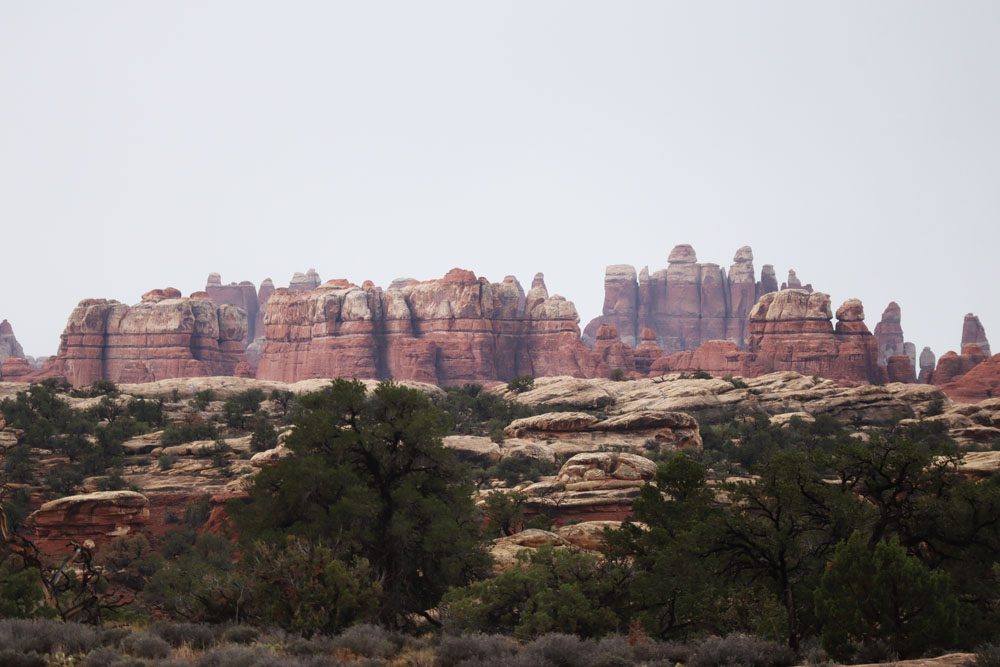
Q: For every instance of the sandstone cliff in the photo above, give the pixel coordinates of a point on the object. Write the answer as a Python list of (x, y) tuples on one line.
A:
[(164, 336), (791, 330), (13, 363), (685, 304), (454, 330), (974, 351)]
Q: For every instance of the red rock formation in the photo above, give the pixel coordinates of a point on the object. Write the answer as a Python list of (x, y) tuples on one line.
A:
[(647, 352), (791, 330), (621, 304), (9, 347), (975, 350), (952, 366), (611, 351), (927, 361), (303, 282), (684, 305), (156, 339), (449, 331), (101, 517), (13, 369), (899, 368), (242, 295), (742, 294), (973, 333), (768, 281), (889, 334), (978, 383), (717, 357)]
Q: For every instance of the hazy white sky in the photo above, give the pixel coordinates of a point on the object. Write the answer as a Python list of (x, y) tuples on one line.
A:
[(145, 144)]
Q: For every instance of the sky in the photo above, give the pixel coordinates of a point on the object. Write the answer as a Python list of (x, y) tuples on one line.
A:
[(146, 144)]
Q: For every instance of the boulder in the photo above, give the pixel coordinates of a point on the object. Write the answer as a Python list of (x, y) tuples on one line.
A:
[(101, 517), (473, 448), (568, 433)]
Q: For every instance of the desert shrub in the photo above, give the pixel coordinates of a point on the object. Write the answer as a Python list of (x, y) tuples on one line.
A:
[(47, 636), (264, 436), (935, 407), (701, 375), (473, 649), (98, 388), (202, 398), (146, 645), (12, 658), (192, 634), (197, 512), (236, 408), (146, 412), (240, 634), (617, 375), (988, 655), (300, 646), (113, 482), (741, 651), (102, 657), (62, 479), (166, 461), (516, 469), (559, 649), (241, 656), (476, 411), (114, 636), (370, 641), (20, 590), (504, 512), (521, 383), (552, 591), (18, 464), (737, 383), (198, 429), (131, 561)]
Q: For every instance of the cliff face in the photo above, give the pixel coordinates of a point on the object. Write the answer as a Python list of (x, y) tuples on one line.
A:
[(13, 363), (685, 304), (450, 331), (791, 330), (164, 336)]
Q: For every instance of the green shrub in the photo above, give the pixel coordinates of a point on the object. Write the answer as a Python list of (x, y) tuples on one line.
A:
[(146, 412), (264, 436), (238, 407), (617, 375), (516, 469), (166, 461), (701, 375), (521, 383), (202, 398), (737, 383), (198, 429)]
